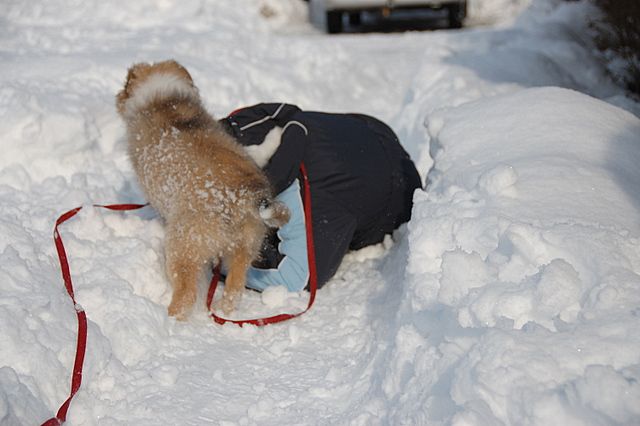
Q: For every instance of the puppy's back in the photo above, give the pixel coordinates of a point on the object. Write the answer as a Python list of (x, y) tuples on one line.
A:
[(215, 200)]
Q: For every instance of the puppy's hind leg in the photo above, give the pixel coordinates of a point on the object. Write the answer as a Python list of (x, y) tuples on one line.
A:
[(239, 262), (184, 266)]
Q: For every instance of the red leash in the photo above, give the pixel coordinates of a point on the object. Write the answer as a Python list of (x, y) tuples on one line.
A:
[(311, 258), (81, 345)]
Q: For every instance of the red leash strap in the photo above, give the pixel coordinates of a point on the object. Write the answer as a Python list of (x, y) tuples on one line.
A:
[(311, 257), (81, 345)]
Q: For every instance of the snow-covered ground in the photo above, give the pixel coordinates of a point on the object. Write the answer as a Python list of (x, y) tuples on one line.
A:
[(512, 296)]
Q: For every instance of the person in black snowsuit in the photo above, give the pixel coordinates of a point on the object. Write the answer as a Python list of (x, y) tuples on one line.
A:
[(361, 183)]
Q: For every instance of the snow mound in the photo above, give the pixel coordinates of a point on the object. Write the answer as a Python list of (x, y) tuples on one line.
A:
[(527, 240)]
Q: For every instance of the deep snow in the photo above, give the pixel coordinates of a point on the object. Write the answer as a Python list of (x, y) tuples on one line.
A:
[(510, 298)]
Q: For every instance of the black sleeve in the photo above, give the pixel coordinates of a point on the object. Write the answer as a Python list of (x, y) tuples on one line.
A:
[(251, 125), (284, 165)]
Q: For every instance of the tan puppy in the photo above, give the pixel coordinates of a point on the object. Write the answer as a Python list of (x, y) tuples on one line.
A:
[(216, 201)]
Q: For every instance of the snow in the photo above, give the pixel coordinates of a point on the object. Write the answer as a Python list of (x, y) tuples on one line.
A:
[(510, 298), (527, 241)]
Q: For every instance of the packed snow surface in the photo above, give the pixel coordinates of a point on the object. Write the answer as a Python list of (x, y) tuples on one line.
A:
[(511, 297)]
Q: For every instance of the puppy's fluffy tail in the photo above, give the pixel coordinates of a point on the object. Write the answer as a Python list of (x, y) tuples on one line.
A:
[(274, 213)]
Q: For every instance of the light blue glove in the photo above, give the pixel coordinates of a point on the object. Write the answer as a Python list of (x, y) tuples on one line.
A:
[(293, 270)]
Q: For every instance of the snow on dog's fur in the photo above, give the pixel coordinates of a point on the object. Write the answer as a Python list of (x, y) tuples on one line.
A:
[(216, 201)]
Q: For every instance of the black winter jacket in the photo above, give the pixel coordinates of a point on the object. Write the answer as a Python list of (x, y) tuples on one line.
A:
[(361, 179)]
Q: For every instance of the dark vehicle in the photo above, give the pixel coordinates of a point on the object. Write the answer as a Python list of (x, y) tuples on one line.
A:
[(331, 14)]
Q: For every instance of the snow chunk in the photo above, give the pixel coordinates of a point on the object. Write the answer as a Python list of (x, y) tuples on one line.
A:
[(462, 272), (275, 296), (499, 180), (555, 292)]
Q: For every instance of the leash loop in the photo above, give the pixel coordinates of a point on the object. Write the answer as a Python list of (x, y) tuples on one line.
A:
[(311, 258)]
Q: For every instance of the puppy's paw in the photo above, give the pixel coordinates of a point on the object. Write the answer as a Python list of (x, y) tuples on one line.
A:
[(224, 306), (181, 305), (227, 304), (178, 312)]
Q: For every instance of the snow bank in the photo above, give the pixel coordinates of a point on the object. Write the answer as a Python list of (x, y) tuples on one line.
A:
[(526, 241)]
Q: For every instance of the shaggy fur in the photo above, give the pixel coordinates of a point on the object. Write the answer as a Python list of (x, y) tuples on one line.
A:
[(216, 201)]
